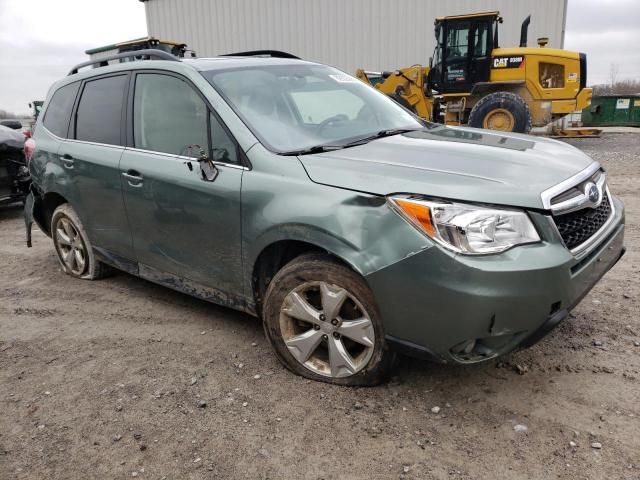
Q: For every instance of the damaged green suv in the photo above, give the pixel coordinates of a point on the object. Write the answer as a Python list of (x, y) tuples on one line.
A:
[(292, 191)]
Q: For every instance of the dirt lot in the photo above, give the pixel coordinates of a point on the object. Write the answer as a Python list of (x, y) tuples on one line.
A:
[(104, 379)]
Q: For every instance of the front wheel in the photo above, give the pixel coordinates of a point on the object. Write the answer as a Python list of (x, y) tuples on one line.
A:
[(323, 323), (503, 111)]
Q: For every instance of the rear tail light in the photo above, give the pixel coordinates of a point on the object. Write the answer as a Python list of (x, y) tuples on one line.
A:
[(29, 147)]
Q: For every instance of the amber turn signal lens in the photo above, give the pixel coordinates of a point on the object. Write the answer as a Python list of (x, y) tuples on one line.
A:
[(418, 213)]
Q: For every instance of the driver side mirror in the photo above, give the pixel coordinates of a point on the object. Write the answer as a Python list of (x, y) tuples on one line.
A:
[(208, 170)]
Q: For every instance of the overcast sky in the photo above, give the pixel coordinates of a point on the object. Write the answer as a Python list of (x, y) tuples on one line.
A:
[(608, 31), (41, 39)]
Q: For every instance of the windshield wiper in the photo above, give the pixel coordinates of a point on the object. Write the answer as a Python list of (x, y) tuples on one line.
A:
[(358, 141), (314, 149), (381, 134)]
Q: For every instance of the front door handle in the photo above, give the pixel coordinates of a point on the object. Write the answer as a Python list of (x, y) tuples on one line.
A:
[(134, 178), (67, 161)]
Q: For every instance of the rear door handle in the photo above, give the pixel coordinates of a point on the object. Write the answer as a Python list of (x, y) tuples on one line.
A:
[(67, 161), (134, 178)]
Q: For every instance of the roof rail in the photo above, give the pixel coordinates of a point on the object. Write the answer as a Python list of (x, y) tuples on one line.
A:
[(150, 53), (261, 53)]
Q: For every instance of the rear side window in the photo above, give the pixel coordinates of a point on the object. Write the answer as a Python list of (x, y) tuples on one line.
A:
[(58, 113), (99, 113), (551, 75), (169, 116)]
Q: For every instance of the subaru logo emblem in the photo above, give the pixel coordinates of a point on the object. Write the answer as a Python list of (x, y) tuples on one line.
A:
[(592, 192)]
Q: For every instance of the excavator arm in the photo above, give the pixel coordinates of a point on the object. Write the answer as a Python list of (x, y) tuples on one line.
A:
[(407, 86)]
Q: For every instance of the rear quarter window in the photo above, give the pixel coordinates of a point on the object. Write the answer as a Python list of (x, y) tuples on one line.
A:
[(58, 113)]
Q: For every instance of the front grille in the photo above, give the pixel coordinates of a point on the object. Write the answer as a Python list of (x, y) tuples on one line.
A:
[(577, 227), (576, 190)]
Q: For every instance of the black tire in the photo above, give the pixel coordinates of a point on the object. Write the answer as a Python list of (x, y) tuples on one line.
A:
[(511, 102), (323, 268), (92, 269)]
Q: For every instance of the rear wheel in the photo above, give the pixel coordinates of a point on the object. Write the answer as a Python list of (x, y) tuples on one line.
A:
[(72, 245), (504, 111), (323, 323)]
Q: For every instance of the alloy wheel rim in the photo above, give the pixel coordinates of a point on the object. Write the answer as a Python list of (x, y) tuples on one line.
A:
[(499, 119), (327, 330), (71, 248)]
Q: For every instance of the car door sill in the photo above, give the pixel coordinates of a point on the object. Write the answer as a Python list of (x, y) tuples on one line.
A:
[(195, 289), (174, 282)]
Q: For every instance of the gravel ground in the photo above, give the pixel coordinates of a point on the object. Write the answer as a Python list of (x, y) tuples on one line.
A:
[(123, 378)]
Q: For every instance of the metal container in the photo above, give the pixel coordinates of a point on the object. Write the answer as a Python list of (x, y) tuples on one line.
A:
[(613, 110)]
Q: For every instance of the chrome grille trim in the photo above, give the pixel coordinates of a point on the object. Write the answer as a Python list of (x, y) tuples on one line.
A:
[(562, 187), (581, 200)]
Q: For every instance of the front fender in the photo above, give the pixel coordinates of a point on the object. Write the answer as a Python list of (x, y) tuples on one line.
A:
[(359, 228)]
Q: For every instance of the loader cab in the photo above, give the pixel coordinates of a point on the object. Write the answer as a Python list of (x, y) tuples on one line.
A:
[(462, 55)]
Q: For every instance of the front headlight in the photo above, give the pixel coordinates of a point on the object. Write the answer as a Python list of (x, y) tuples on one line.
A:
[(467, 228)]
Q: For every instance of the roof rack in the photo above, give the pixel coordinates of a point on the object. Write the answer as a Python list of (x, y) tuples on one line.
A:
[(261, 53), (150, 53)]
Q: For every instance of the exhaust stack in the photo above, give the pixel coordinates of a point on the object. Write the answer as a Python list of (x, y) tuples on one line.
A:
[(523, 31)]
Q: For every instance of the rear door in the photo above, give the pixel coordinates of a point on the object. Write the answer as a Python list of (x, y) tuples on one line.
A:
[(91, 156), (182, 224)]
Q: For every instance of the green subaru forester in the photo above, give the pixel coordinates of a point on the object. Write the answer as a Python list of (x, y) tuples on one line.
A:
[(292, 191)]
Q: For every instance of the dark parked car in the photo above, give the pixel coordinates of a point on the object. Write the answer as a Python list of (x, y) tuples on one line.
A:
[(14, 174), (293, 191)]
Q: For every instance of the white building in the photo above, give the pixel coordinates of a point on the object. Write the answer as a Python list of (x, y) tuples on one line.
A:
[(349, 34)]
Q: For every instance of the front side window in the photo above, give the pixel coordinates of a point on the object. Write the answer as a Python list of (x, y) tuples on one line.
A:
[(223, 147), (58, 114), (551, 75), (99, 113), (294, 107), (169, 116)]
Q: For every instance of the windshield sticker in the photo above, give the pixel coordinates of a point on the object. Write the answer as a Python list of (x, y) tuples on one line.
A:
[(344, 78)]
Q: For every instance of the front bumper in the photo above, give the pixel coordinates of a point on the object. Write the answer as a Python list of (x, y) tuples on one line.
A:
[(466, 309)]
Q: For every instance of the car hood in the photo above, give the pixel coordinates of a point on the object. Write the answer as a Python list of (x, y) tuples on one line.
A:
[(452, 162)]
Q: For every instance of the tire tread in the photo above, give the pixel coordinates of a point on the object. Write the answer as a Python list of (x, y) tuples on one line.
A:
[(507, 100)]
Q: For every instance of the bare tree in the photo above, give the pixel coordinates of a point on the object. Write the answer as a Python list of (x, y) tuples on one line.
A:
[(621, 87), (613, 74)]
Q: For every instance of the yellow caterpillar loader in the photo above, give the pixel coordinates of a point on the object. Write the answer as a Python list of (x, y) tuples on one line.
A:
[(472, 80)]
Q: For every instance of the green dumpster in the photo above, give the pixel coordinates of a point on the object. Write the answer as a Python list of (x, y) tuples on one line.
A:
[(613, 110)]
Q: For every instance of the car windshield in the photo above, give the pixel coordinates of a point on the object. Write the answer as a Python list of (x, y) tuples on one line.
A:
[(293, 108)]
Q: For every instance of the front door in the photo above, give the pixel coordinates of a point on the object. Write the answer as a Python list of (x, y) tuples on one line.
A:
[(184, 227), (465, 55)]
